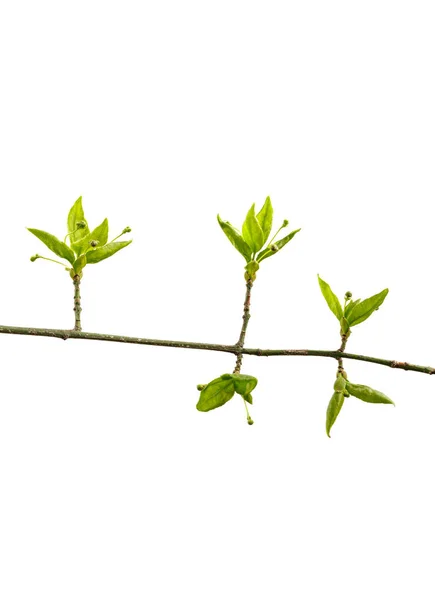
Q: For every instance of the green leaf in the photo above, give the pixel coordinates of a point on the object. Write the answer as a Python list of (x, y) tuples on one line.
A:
[(235, 238), (215, 394), (367, 394), (252, 232), (244, 384), (362, 311), (350, 306), (99, 234), (331, 298), (265, 217), (333, 410), (54, 244), (80, 263), (280, 244), (76, 214), (108, 250), (248, 398)]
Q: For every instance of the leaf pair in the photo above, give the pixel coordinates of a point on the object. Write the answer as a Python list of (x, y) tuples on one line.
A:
[(219, 391), (342, 389), (86, 247), (356, 311), (255, 234)]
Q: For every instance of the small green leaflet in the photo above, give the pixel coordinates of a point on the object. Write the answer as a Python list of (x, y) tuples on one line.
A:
[(76, 214), (215, 394), (265, 217), (362, 311), (333, 410), (54, 244), (95, 256), (350, 306), (367, 394), (235, 238), (331, 299), (280, 244), (99, 234), (252, 231), (79, 264), (244, 384)]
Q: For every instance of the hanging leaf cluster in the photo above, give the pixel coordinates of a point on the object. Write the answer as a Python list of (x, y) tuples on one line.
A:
[(81, 246)]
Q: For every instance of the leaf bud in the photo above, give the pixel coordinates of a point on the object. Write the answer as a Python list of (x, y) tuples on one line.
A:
[(285, 223), (34, 257), (81, 224), (250, 421), (348, 295), (126, 230), (200, 386), (94, 243)]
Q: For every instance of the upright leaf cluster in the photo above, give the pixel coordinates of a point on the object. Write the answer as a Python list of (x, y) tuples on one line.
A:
[(253, 241), (81, 246)]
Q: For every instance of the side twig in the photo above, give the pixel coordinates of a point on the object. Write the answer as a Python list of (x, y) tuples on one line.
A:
[(77, 304), (246, 317)]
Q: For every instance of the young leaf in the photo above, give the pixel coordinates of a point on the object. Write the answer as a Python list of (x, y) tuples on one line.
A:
[(215, 394), (248, 398), (333, 410), (54, 244), (280, 244), (108, 250), (252, 232), (244, 384), (331, 298), (367, 394), (350, 306), (100, 234), (362, 311), (235, 238), (80, 263), (76, 214), (265, 217)]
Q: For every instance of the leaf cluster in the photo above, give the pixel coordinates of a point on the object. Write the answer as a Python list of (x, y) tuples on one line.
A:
[(219, 391), (343, 389), (253, 241), (84, 246)]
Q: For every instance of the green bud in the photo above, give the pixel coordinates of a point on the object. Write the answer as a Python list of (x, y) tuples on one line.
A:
[(285, 223), (81, 224), (200, 386), (274, 248), (126, 230), (94, 243), (348, 295), (34, 257), (250, 421)]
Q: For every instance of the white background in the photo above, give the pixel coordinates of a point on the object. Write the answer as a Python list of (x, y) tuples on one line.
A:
[(162, 114)]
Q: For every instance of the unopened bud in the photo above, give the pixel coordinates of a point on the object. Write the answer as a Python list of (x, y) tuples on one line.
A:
[(34, 257), (348, 295), (285, 223), (200, 387), (274, 248), (126, 230), (94, 243), (250, 421), (80, 224)]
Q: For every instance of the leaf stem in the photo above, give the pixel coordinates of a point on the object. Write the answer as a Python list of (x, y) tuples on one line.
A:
[(77, 303), (246, 317), (66, 334)]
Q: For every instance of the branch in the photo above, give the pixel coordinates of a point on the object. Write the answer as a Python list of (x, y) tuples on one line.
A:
[(66, 334)]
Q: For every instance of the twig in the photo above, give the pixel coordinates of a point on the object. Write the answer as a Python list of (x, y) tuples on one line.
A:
[(66, 334), (246, 317), (77, 305)]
